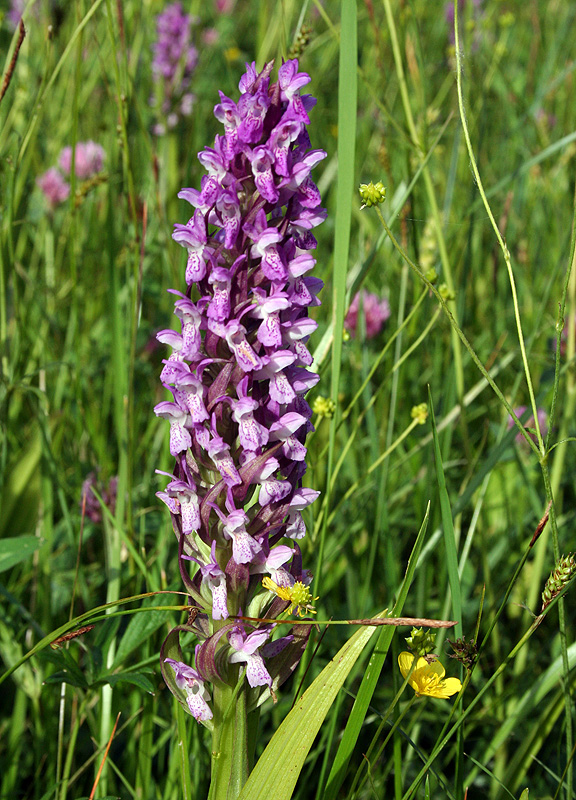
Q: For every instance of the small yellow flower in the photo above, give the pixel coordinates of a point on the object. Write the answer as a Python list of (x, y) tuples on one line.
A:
[(232, 54), (420, 414), (506, 20), (324, 406), (298, 595), (427, 679)]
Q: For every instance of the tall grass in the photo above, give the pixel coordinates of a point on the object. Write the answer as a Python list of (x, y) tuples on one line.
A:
[(83, 291)]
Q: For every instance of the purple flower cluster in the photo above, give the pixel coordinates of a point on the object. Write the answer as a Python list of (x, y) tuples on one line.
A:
[(14, 15), (53, 186), (376, 312), (89, 161), (529, 423), (238, 373), (90, 503), (175, 59)]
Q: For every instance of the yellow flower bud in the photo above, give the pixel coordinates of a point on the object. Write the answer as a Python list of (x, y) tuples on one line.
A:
[(420, 413)]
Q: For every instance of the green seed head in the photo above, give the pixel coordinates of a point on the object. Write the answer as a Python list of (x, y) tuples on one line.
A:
[(421, 642), (445, 292), (420, 413), (560, 577), (372, 194)]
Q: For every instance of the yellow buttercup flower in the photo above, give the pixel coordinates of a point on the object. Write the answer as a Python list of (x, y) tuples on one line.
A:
[(427, 679)]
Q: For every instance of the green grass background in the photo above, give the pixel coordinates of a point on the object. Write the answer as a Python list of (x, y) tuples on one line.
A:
[(83, 291)]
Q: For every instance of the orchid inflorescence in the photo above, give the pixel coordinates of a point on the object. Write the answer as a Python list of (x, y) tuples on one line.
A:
[(238, 373), (173, 65)]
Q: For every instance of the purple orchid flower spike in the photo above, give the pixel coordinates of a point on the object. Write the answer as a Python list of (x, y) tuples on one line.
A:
[(175, 59), (238, 370)]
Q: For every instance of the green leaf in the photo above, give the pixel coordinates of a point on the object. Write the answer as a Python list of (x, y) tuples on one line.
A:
[(69, 670), (372, 675), (448, 527), (17, 549), (21, 491), (67, 677), (135, 678), (292, 741), (141, 627), (347, 118)]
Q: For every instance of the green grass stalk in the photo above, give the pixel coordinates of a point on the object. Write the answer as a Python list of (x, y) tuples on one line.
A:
[(430, 192), (347, 112), (371, 676)]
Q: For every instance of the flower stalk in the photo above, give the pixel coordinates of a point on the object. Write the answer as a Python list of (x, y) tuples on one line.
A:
[(230, 747)]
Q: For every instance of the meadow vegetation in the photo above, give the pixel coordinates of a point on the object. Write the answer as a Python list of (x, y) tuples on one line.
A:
[(473, 327)]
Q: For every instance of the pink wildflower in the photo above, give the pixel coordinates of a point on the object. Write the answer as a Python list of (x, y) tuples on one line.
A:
[(54, 187), (89, 159), (90, 503), (376, 312), (224, 6), (14, 15), (529, 423)]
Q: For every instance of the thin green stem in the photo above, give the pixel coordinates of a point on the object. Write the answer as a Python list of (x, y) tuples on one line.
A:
[(395, 337), (354, 488), (183, 756), (459, 331), (499, 236), (78, 718), (436, 216), (391, 446), (38, 105), (541, 447), (355, 789)]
